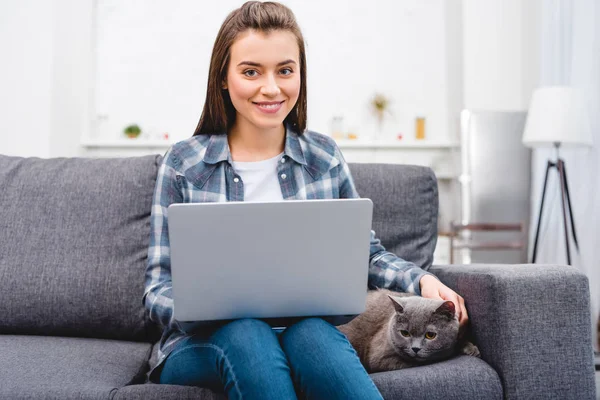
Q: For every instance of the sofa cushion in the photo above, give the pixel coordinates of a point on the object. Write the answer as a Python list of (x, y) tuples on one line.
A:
[(38, 367), (74, 237), (460, 378), (405, 207), (152, 391)]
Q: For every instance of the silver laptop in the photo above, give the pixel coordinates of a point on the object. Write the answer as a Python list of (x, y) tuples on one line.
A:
[(269, 260)]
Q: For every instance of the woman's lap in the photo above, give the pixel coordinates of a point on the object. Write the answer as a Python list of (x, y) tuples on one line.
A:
[(324, 364), (242, 358), (247, 359)]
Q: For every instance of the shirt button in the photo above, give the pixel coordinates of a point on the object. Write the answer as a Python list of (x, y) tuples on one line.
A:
[(283, 176), (283, 160), (236, 179)]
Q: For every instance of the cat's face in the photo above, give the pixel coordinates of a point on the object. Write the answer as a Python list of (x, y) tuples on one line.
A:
[(423, 329)]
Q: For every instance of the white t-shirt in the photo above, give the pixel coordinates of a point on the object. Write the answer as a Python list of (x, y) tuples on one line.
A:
[(260, 179)]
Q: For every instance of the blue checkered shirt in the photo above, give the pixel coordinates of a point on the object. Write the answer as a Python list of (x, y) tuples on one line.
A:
[(199, 169)]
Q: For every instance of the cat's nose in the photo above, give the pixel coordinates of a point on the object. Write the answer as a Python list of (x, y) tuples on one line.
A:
[(416, 349)]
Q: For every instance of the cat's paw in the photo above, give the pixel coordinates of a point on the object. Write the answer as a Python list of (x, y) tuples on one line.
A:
[(470, 350)]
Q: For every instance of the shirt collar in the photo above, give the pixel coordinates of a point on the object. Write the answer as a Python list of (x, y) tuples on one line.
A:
[(217, 149), (293, 149)]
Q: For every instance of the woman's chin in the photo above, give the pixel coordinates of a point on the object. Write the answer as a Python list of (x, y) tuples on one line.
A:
[(268, 123)]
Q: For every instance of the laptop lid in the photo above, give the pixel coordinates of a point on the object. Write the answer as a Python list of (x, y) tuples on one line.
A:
[(294, 258)]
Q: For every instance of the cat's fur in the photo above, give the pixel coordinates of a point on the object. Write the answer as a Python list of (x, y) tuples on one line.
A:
[(376, 333)]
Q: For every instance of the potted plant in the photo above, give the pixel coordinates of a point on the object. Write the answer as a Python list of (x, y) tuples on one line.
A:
[(380, 104), (132, 131)]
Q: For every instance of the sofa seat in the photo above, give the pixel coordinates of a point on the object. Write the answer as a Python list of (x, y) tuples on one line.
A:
[(151, 391), (45, 367), (461, 378)]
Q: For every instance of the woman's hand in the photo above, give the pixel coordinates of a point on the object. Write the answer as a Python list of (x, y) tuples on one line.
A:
[(432, 288)]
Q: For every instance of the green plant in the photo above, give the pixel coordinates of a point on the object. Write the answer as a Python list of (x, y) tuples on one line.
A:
[(132, 131), (380, 104)]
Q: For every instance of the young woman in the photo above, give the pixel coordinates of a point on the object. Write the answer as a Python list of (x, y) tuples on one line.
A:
[(251, 144)]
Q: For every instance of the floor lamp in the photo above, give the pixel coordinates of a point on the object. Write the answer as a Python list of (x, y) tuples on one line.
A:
[(557, 118)]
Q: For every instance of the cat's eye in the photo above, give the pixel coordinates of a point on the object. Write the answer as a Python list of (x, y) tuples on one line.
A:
[(430, 335), (404, 333)]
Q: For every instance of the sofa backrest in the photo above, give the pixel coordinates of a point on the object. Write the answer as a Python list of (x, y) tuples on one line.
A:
[(405, 207), (74, 237)]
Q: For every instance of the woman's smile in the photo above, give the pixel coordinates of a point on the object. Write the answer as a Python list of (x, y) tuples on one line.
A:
[(269, 107)]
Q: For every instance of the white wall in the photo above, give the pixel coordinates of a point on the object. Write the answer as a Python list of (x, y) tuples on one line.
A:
[(44, 75), (153, 63), (455, 65), (49, 65), (27, 52), (71, 76), (501, 53)]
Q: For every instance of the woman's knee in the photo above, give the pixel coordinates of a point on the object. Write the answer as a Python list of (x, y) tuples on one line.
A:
[(309, 326), (191, 363), (244, 334), (306, 332), (246, 325)]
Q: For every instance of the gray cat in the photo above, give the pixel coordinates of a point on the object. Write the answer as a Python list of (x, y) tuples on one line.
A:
[(399, 330)]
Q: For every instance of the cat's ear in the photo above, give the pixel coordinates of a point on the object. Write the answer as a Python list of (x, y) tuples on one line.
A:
[(447, 309), (396, 304)]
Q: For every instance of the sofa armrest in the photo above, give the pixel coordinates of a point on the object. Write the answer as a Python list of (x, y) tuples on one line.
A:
[(532, 324)]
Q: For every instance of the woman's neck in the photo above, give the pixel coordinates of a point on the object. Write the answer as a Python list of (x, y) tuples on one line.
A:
[(248, 143)]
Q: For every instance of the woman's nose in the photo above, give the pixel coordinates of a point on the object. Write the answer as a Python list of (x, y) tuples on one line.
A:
[(270, 87)]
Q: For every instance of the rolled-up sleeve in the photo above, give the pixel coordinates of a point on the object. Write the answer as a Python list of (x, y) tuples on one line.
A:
[(158, 298), (386, 270)]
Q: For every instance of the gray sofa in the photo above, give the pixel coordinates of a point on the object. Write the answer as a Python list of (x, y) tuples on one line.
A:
[(73, 245)]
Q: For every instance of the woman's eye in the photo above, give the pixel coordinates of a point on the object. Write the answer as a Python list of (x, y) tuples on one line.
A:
[(430, 335), (286, 71), (250, 73), (404, 333)]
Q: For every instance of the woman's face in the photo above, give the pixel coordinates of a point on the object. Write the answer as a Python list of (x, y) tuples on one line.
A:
[(263, 78)]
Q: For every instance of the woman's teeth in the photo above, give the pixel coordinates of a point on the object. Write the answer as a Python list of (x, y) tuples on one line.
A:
[(269, 106)]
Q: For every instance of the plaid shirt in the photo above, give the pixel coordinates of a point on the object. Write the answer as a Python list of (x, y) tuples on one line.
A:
[(199, 169)]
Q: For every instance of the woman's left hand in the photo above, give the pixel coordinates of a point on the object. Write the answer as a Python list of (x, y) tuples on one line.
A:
[(432, 288)]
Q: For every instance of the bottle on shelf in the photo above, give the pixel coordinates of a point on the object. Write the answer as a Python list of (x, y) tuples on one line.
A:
[(337, 127), (420, 127)]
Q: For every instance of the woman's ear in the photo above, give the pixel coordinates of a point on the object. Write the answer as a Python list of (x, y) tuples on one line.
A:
[(224, 85)]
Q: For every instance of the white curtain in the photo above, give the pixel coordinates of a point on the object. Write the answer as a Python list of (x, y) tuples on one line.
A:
[(570, 55)]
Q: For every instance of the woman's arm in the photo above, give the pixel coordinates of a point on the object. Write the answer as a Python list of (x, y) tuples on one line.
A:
[(158, 298), (386, 270)]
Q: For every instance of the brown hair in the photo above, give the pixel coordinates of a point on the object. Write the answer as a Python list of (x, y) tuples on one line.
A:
[(218, 115)]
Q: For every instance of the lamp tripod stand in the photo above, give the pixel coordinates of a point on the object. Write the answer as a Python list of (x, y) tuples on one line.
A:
[(566, 202)]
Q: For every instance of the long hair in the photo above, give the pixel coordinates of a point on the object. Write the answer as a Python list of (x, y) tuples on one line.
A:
[(218, 115)]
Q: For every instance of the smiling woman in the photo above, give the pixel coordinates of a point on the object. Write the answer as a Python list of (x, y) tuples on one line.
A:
[(251, 144), (258, 59), (263, 83)]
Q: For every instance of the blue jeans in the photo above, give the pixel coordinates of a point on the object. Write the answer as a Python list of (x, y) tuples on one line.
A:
[(248, 360)]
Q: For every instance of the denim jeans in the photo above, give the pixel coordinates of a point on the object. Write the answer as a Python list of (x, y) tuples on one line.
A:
[(248, 360)]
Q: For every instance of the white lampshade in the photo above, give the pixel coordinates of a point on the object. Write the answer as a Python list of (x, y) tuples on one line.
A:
[(557, 115)]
